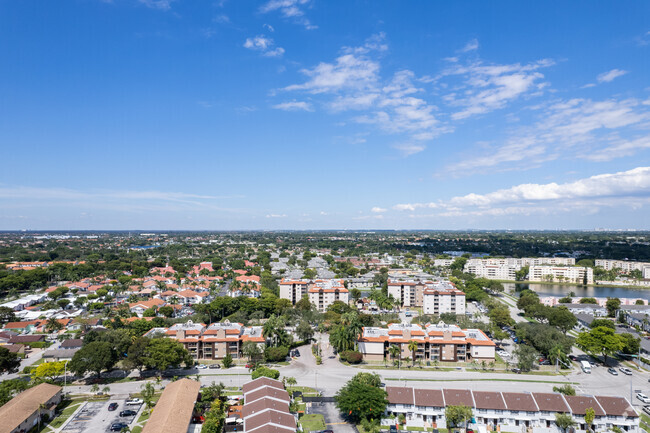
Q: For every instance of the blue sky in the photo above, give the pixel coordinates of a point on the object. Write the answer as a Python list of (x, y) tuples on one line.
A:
[(312, 114)]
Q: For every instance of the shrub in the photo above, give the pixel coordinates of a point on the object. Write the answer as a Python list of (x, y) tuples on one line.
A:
[(275, 354), (266, 372), (351, 356)]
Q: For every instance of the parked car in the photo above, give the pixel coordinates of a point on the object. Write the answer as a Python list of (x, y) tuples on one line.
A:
[(612, 371), (646, 409), (118, 426), (626, 371), (112, 406), (201, 366), (516, 370), (644, 398), (134, 401), (393, 429), (215, 366), (128, 412)]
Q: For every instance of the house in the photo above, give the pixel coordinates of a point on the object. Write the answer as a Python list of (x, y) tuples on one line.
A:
[(72, 343), (27, 339), (23, 327), (23, 411), (175, 407), (59, 354), (141, 306)]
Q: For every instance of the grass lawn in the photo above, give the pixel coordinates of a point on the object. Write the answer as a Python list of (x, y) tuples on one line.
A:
[(312, 422), (65, 414), (136, 429)]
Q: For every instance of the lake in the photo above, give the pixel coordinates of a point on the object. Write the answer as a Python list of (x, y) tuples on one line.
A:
[(581, 291)]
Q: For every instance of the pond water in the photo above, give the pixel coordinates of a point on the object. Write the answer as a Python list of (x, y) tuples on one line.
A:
[(581, 291)]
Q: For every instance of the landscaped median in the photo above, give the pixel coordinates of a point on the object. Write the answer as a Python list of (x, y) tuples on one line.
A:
[(312, 422)]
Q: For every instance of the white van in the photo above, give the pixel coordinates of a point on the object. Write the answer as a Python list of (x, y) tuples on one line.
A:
[(586, 367)]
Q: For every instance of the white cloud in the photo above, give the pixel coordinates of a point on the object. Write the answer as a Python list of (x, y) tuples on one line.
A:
[(348, 72), (264, 45), (163, 5), (490, 87), (632, 186), (408, 149), (268, 27), (576, 128), (378, 210), (222, 19), (273, 215), (294, 106), (289, 9), (606, 77), (470, 46)]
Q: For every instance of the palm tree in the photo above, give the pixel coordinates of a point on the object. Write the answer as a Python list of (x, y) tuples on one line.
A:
[(251, 350), (413, 346), (395, 352)]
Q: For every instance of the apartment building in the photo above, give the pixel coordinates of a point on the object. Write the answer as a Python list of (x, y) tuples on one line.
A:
[(567, 274), (294, 290), (408, 293), (22, 413), (175, 407), (214, 341), (323, 293), (443, 297), (510, 411), (436, 342), (623, 265), (506, 268)]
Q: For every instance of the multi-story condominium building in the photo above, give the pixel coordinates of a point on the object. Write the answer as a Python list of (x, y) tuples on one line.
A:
[(492, 272), (443, 263), (408, 293), (505, 268), (294, 290), (568, 274), (442, 298), (323, 293), (510, 411), (441, 342), (213, 341), (623, 265)]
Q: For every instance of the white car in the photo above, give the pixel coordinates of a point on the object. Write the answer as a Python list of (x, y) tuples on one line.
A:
[(644, 398), (133, 401), (201, 366)]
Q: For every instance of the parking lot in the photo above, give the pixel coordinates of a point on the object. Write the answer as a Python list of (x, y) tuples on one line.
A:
[(94, 416)]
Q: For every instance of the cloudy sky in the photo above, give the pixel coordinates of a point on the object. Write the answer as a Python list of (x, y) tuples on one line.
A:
[(301, 114)]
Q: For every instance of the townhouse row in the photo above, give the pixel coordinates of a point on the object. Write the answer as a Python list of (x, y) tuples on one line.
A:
[(321, 293), (511, 411), (266, 407), (435, 342), (214, 341)]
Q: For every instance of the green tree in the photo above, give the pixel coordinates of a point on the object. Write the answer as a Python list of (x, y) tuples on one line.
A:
[(309, 274), (562, 318), (590, 414), (162, 353), (9, 362), (166, 311), (395, 352), (7, 315), (53, 325), (148, 392), (355, 294), (589, 301), (266, 372), (251, 350), (526, 357), (564, 421), (136, 355), (358, 401), (413, 346), (95, 357), (227, 361), (612, 305), (565, 389), (304, 331), (372, 379), (600, 341), (631, 343), (602, 322), (457, 416)]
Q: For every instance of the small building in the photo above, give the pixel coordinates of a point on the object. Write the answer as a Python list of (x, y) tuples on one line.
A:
[(173, 412), (22, 412)]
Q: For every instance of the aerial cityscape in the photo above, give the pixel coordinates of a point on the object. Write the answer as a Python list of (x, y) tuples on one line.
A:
[(300, 216)]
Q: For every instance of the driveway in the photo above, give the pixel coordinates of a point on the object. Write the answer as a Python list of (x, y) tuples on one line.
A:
[(333, 418)]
